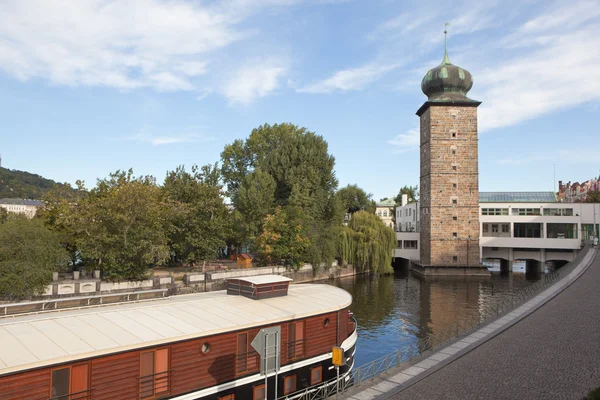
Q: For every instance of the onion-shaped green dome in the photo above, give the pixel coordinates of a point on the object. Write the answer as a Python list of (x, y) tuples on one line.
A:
[(447, 82)]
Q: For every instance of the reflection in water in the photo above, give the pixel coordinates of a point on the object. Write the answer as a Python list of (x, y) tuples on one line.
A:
[(393, 311)]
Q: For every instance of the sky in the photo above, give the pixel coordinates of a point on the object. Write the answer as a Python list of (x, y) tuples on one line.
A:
[(89, 87)]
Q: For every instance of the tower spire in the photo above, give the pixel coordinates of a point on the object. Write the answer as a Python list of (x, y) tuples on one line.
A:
[(446, 59)]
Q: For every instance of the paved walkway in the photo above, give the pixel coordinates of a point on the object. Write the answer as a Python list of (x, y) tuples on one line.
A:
[(545, 349)]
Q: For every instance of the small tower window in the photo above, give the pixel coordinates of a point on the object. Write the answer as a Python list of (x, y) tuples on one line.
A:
[(454, 201), (454, 185), (455, 258), (455, 218), (453, 134), (454, 234), (453, 151), (454, 168)]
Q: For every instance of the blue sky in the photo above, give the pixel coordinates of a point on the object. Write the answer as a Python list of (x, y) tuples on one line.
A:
[(89, 87)]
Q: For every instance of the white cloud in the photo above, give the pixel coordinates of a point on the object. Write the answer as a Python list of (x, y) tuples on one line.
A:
[(557, 71), (406, 141), (350, 79), (164, 45), (255, 80), (158, 140)]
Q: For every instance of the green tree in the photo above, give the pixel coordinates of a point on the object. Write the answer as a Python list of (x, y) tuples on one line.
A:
[(593, 196), (282, 239), (122, 227), (255, 199), (199, 216), (59, 214), (302, 171), (353, 199), (29, 254), (412, 193), (367, 244), (3, 215)]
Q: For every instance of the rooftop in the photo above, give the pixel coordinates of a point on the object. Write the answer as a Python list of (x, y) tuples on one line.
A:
[(517, 197), (386, 203), (37, 340), (22, 202)]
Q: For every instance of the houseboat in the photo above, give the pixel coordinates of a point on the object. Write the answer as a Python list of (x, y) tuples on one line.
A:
[(195, 346)]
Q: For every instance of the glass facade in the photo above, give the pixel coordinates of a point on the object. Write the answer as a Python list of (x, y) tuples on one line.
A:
[(561, 231), (494, 211), (528, 230), (526, 211), (566, 212), (587, 231)]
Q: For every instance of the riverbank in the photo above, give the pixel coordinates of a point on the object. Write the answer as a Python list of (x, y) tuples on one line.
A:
[(515, 364)]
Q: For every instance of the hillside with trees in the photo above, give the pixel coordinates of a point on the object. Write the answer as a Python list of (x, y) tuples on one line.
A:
[(25, 185)]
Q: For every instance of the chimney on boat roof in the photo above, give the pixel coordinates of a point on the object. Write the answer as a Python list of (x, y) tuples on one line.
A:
[(259, 287)]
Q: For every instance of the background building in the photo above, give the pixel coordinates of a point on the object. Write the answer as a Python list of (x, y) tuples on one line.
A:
[(521, 231), (19, 206), (385, 211), (577, 192)]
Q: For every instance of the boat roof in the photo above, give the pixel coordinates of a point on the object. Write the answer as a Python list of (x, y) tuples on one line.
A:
[(43, 339), (262, 279)]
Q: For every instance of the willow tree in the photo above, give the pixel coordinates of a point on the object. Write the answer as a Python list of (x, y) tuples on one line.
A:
[(367, 244)]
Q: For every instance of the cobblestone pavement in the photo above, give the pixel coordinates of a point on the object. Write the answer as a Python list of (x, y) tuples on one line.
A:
[(554, 353)]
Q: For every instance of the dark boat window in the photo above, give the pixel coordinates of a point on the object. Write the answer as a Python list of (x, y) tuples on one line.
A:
[(60, 382), (326, 322), (155, 374), (259, 392), (295, 342), (205, 348), (71, 381), (289, 384), (316, 375), (242, 352)]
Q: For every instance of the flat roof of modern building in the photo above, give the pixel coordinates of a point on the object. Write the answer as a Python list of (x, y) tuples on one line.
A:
[(48, 338), (517, 197)]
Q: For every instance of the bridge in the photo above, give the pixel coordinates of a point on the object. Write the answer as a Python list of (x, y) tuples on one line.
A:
[(546, 348)]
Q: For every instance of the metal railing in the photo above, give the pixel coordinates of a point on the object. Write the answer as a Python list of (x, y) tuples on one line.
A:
[(82, 395), (74, 302), (247, 362), (295, 349), (155, 384), (431, 341)]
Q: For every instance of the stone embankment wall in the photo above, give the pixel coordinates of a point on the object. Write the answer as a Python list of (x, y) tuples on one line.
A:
[(208, 281), (211, 281)]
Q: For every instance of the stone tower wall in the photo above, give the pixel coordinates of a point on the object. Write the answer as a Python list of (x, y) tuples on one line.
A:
[(449, 187)]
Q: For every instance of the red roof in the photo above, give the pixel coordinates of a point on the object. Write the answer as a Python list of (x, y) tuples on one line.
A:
[(244, 256)]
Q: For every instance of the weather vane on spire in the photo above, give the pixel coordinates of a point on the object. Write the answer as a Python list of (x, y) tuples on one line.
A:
[(446, 58)]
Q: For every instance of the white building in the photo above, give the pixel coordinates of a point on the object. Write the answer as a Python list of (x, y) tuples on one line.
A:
[(19, 206), (385, 210), (518, 229)]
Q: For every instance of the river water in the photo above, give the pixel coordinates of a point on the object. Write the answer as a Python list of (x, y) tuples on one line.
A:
[(394, 311)]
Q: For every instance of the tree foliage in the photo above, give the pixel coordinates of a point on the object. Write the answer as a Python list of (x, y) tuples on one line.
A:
[(282, 239), (293, 167), (29, 254), (121, 227), (198, 215), (593, 196), (367, 243), (412, 193), (353, 199)]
